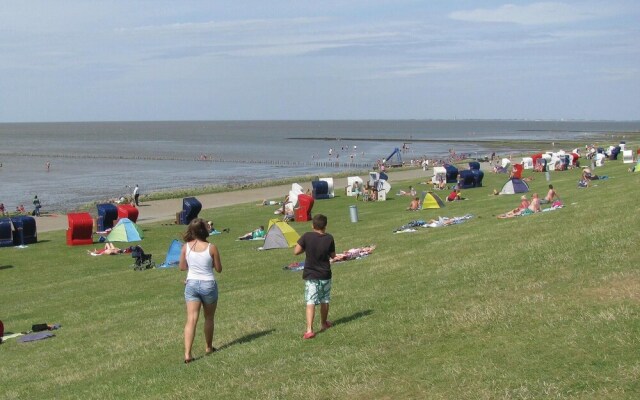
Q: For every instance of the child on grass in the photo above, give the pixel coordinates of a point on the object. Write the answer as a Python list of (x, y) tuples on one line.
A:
[(319, 247)]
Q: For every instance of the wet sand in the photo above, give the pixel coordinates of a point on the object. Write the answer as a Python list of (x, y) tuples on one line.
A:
[(165, 210)]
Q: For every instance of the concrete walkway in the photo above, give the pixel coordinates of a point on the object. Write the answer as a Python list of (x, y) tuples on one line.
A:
[(165, 210)]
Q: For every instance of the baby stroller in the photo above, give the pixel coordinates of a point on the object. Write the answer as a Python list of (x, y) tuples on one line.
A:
[(142, 260)]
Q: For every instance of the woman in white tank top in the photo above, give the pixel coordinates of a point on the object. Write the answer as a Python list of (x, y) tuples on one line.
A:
[(199, 258)]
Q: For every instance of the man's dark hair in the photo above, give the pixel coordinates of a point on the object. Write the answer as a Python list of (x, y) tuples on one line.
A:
[(319, 221)]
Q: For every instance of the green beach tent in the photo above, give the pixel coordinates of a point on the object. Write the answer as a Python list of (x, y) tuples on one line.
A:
[(125, 231)]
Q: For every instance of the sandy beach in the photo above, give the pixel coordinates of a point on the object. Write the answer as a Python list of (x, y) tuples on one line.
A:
[(164, 210)]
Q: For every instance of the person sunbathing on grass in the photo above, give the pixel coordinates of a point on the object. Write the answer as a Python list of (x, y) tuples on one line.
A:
[(455, 195), (411, 192), (255, 234), (534, 205), (441, 221), (266, 202), (352, 254), (551, 194), (214, 231), (414, 205), (109, 248), (524, 204)]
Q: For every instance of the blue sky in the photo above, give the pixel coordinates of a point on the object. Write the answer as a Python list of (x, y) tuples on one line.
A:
[(81, 60)]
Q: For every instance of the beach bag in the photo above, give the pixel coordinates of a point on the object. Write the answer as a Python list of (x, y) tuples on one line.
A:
[(39, 327)]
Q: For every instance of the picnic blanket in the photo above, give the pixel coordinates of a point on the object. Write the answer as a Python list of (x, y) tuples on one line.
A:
[(434, 223)]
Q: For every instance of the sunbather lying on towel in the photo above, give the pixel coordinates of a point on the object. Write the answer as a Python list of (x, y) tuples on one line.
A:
[(446, 221), (525, 207), (266, 202), (257, 233), (109, 248), (353, 254)]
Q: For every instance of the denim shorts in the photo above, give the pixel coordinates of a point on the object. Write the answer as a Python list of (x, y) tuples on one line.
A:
[(317, 291), (203, 291)]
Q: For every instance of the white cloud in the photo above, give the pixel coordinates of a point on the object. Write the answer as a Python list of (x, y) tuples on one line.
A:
[(620, 74), (532, 14), (426, 68)]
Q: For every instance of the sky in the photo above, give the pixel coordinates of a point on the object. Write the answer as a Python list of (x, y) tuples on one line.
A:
[(130, 60)]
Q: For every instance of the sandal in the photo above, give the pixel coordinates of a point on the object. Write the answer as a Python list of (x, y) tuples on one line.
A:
[(309, 335)]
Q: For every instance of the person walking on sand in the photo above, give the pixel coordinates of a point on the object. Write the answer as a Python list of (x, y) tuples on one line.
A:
[(136, 195), (319, 248), (199, 258)]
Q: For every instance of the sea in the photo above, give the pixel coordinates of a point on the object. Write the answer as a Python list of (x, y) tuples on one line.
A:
[(68, 165)]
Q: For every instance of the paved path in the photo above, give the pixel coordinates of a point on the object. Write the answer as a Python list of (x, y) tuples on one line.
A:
[(165, 210)]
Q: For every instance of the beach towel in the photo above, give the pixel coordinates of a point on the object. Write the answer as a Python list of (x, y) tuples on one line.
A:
[(35, 336), (408, 227), (556, 206), (435, 223), (446, 221), (10, 335), (295, 266)]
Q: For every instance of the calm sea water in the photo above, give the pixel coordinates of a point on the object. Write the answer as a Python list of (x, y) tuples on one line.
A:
[(97, 161)]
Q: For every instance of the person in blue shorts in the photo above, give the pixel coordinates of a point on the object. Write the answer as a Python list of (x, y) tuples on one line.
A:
[(319, 248), (199, 258)]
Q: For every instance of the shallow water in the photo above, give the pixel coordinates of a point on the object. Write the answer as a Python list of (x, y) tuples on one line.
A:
[(97, 161)]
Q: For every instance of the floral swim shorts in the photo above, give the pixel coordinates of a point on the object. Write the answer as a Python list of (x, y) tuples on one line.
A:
[(317, 291)]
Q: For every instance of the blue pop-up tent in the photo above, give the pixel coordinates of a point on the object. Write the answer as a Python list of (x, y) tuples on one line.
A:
[(173, 255)]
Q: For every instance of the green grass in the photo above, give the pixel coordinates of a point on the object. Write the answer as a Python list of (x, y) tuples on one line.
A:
[(544, 306)]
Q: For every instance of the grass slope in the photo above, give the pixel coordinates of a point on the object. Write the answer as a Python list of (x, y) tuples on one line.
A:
[(543, 306)]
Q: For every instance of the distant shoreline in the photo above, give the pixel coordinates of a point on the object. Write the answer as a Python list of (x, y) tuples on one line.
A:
[(590, 135)]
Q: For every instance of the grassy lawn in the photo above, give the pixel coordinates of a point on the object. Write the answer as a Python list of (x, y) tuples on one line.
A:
[(543, 306)]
